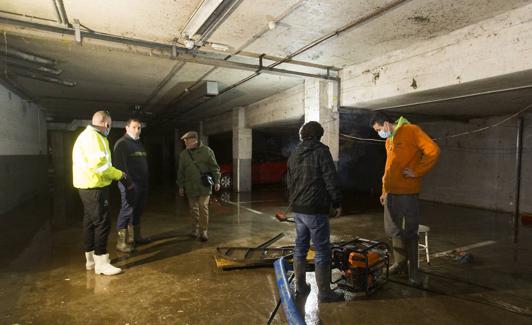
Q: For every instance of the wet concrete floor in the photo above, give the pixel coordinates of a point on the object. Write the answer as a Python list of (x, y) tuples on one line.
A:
[(174, 279)]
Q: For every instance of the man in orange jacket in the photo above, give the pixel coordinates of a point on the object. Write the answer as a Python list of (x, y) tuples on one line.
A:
[(410, 154)]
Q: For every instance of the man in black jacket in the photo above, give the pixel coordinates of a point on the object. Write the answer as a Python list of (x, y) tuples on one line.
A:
[(130, 155), (313, 189)]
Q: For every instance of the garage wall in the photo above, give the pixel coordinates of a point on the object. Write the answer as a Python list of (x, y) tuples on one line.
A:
[(479, 170), (286, 106), (23, 143)]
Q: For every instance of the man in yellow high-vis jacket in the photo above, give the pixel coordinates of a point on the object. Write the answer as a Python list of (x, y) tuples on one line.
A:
[(92, 174)]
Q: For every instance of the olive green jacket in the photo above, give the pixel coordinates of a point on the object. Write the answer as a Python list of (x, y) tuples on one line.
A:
[(188, 175)]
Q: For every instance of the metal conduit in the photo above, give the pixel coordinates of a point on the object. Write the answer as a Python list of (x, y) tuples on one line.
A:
[(200, 57), (517, 193), (28, 56), (355, 23), (29, 65), (32, 75)]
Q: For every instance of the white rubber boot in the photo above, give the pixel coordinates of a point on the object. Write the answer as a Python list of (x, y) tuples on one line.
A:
[(89, 258), (103, 265)]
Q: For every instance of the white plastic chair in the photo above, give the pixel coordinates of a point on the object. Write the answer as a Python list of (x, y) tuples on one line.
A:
[(423, 231)]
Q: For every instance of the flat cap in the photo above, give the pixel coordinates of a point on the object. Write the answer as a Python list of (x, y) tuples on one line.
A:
[(190, 134)]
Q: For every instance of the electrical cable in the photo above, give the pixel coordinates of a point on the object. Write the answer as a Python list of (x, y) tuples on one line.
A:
[(482, 129)]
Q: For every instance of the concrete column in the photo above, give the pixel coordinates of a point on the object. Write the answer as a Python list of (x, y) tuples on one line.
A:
[(321, 105), (242, 142)]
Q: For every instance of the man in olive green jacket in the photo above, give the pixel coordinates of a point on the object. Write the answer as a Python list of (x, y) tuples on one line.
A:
[(195, 160)]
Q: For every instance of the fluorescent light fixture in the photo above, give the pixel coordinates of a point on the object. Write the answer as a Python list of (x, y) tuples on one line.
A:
[(200, 16), (219, 47)]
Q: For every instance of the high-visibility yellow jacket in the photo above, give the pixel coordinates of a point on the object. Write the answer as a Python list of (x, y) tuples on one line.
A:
[(91, 161)]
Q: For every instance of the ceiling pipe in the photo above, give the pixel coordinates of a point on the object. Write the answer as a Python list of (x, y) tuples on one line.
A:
[(29, 65), (35, 76), (377, 13), (28, 56), (240, 51), (176, 68), (183, 54), (355, 23), (517, 188)]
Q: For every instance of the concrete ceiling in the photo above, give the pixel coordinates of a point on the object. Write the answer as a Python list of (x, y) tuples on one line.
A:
[(121, 76), (500, 95)]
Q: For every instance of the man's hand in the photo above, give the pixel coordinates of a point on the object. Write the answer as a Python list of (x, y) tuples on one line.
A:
[(217, 187), (383, 199), (408, 172), (181, 192), (124, 176), (337, 212)]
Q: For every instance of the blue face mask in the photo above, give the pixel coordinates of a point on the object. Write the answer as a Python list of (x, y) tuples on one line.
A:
[(106, 132), (384, 134)]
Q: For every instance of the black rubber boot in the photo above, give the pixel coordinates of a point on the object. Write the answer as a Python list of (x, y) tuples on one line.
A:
[(130, 235), (323, 280), (399, 257), (138, 237), (300, 271), (412, 257)]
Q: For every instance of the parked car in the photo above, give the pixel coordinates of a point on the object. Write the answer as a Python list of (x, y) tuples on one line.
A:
[(269, 172)]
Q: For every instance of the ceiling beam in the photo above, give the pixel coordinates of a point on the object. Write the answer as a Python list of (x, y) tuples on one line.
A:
[(183, 54)]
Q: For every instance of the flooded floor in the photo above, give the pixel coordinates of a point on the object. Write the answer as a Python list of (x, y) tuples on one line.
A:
[(174, 280)]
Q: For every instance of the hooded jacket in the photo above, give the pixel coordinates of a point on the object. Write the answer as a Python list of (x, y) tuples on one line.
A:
[(408, 147), (312, 180)]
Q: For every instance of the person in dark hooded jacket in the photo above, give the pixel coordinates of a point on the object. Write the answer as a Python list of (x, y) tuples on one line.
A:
[(313, 189)]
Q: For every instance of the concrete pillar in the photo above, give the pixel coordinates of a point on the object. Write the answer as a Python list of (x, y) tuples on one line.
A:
[(321, 105), (242, 142)]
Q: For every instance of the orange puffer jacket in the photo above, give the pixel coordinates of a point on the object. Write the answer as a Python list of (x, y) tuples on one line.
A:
[(412, 148)]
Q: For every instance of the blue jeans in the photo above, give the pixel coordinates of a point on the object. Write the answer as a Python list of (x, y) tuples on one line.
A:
[(313, 227), (132, 207)]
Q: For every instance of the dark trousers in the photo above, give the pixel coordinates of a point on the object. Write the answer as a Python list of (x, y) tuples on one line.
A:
[(401, 216), (96, 222), (132, 207)]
